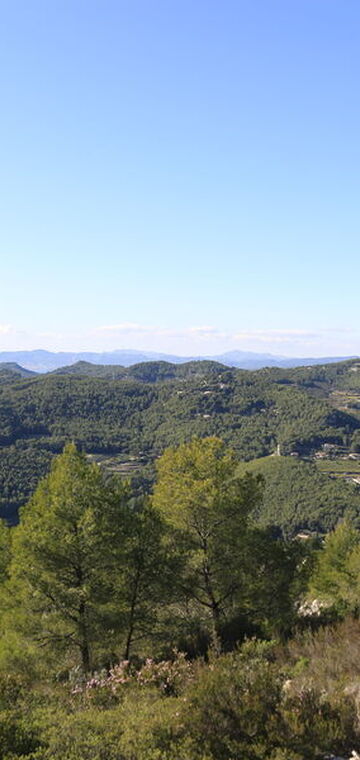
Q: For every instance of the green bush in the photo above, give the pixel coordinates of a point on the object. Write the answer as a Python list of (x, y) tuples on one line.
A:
[(86, 735), (19, 736), (239, 706), (315, 724)]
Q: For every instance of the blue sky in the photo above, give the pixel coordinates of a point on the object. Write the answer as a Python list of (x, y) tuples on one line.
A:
[(180, 175)]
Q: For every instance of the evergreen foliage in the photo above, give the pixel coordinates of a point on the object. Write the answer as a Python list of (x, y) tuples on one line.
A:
[(297, 496), (336, 577), (66, 554), (92, 575), (199, 496), (143, 410)]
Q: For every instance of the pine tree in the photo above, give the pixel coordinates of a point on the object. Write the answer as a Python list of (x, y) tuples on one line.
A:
[(200, 497), (336, 577), (66, 571)]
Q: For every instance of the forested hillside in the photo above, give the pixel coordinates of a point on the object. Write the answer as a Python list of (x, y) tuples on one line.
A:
[(175, 626), (128, 416), (298, 497)]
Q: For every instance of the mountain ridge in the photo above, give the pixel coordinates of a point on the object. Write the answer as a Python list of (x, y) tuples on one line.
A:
[(42, 361), (13, 368)]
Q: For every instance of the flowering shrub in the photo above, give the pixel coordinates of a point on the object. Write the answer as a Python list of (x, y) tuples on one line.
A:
[(169, 676), (310, 608)]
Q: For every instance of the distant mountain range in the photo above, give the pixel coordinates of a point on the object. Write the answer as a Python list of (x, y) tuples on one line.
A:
[(47, 361)]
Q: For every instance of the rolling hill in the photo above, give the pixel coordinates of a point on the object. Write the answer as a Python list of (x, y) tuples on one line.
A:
[(298, 497), (12, 368), (127, 416)]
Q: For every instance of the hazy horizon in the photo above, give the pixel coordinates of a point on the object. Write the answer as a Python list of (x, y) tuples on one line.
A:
[(276, 353), (202, 340)]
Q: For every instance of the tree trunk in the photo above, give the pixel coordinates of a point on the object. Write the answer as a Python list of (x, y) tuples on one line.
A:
[(132, 613), (215, 633), (84, 640), (215, 609)]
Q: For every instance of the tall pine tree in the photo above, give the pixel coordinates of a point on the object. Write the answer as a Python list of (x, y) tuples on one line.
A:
[(67, 558), (208, 506)]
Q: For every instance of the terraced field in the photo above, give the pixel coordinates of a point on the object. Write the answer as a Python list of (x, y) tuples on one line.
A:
[(346, 401), (345, 468)]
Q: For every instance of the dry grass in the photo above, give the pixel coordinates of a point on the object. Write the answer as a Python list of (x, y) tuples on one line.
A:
[(328, 659)]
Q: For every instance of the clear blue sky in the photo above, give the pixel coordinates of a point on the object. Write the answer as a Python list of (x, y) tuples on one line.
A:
[(180, 175)]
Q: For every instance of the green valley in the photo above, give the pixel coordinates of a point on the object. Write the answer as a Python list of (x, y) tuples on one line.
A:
[(126, 417)]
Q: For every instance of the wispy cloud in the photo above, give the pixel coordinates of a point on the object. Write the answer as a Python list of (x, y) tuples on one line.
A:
[(281, 335), (6, 329), (206, 332), (209, 337), (203, 339), (203, 330), (125, 327), (277, 336)]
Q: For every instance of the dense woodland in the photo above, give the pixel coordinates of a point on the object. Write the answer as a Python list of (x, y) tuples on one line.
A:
[(174, 626), (181, 613), (139, 411)]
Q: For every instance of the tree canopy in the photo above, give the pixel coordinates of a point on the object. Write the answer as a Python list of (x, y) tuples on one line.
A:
[(67, 554), (198, 494), (336, 577), (138, 413)]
